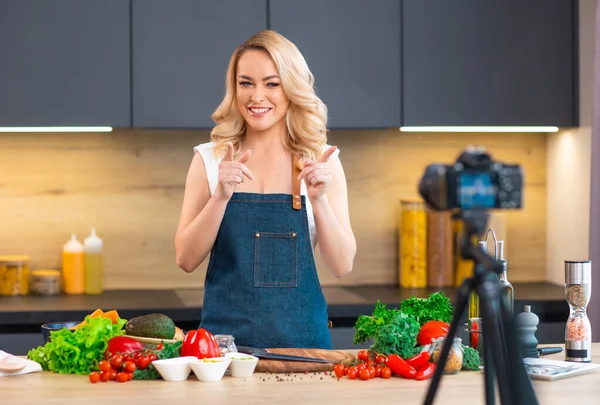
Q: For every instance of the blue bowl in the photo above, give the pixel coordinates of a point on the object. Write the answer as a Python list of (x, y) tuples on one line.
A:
[(50, 326)]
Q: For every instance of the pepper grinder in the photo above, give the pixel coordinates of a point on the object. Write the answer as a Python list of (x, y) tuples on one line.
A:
[(527, 323), (578, 291)]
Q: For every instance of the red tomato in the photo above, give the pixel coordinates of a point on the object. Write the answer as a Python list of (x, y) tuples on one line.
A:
[(425, 372), (353, 372), (378, 370), (94, 377), (130, 375), (112, 375), (381, 359), (386, 372), (365, 375), (371, 371), (400, 367), (130, 367), (122, 377), (339, 370), (143, 362), (116, 361), (152, 356), (363, 355), (160, 347), (104, 365), (361, 366), (104, 376), (432, 330)]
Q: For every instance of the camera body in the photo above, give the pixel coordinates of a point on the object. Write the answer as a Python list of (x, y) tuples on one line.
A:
[(475, 181)]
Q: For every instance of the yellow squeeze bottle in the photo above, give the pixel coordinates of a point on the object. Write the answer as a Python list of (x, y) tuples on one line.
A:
[(73, 271), (92, 247)]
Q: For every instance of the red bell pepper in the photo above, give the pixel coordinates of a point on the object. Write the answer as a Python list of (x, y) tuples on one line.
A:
[(419, 360), (432, 330), (201, 344), (122, 344), (425, 372), (400, 367)]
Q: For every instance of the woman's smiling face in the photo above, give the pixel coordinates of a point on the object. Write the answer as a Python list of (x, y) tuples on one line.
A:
[(260, 97)]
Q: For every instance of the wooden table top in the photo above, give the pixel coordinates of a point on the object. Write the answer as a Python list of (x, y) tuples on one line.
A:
[(464, 388)]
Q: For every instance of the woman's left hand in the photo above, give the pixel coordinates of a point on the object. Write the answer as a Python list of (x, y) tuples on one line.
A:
[(317, 176)]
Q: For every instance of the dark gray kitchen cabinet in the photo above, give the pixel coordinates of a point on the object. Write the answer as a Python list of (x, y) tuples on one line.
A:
[(64, 63), (353, 49), (181, 49), (489, 62)]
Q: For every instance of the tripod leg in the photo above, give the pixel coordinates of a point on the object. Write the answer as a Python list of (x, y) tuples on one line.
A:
[(488, 376), (460, 306), (522, 390), (493, 345)]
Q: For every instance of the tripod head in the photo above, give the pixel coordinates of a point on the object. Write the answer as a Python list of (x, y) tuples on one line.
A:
[(475, 223)]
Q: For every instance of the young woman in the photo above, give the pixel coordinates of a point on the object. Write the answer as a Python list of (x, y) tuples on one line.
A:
[(260, 196)]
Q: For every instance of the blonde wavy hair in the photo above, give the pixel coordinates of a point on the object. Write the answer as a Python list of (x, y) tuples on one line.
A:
[(306, 118)]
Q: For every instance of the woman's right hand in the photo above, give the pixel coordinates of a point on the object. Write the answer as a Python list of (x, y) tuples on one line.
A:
[(231, 173)]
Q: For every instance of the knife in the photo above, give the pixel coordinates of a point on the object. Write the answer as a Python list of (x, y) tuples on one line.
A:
[(264, 354), (542, 351)]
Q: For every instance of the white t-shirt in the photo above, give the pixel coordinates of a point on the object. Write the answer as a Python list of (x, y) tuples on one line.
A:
[(212, 172)]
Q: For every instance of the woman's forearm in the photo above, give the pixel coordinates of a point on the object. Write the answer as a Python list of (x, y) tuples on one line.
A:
[(195, 241), (337, 245)]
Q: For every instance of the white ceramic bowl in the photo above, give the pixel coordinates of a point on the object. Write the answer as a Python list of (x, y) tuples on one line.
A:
[(242, 365), (175, 369), (212, 369)]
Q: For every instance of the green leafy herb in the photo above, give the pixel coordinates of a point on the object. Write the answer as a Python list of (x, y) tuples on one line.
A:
[(471, 359), (398, 337), (367, 325), (390, 330), (169, 351), (77, 351), (436, 307)]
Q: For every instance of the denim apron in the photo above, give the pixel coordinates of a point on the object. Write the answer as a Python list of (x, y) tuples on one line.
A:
[(261, 284)]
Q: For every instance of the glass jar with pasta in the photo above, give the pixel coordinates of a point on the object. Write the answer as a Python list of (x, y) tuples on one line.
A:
[(413, 244), (14, 275)]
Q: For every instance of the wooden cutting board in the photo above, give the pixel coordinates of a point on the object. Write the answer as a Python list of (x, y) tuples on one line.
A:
[(278, 366)]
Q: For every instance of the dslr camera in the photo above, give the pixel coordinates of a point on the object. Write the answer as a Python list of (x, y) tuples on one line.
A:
[(474, 182)]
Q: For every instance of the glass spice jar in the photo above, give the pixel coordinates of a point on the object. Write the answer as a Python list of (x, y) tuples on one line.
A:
[(578, 331), (413, 244), (14, 275), (226, 344), (45, 282), (455, 357)]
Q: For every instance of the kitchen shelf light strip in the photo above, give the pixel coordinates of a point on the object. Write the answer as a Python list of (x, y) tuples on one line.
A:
[(479, 129), (55, 129)]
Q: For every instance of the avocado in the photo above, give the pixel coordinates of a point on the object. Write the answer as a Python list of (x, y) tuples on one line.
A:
[(158, 326)]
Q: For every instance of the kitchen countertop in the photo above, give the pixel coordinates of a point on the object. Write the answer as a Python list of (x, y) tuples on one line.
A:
[(344, 303), (465, 388)]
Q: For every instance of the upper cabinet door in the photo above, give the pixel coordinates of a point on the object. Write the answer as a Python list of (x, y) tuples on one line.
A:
[(489, 62), (64, 63), (181, 49), (353, 49)]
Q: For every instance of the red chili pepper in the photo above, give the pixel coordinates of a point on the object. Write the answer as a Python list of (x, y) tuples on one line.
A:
[(201, 344), (425, 372), (122, 344), (400, 367), (474, 334), (432, 330), (419, 360)]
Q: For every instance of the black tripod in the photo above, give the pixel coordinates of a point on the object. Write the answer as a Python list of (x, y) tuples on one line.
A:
[(500, 352)]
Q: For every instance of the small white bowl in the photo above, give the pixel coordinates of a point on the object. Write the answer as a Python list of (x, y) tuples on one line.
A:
[(210, 370), (242, 365), (175, 369)]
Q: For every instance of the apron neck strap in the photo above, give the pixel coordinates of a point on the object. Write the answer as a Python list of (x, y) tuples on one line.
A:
[(296, 202)]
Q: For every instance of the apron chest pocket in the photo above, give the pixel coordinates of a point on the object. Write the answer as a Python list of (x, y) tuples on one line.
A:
[(275, 258)]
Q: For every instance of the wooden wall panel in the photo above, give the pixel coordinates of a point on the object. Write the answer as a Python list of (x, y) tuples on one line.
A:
[(129, 185)]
